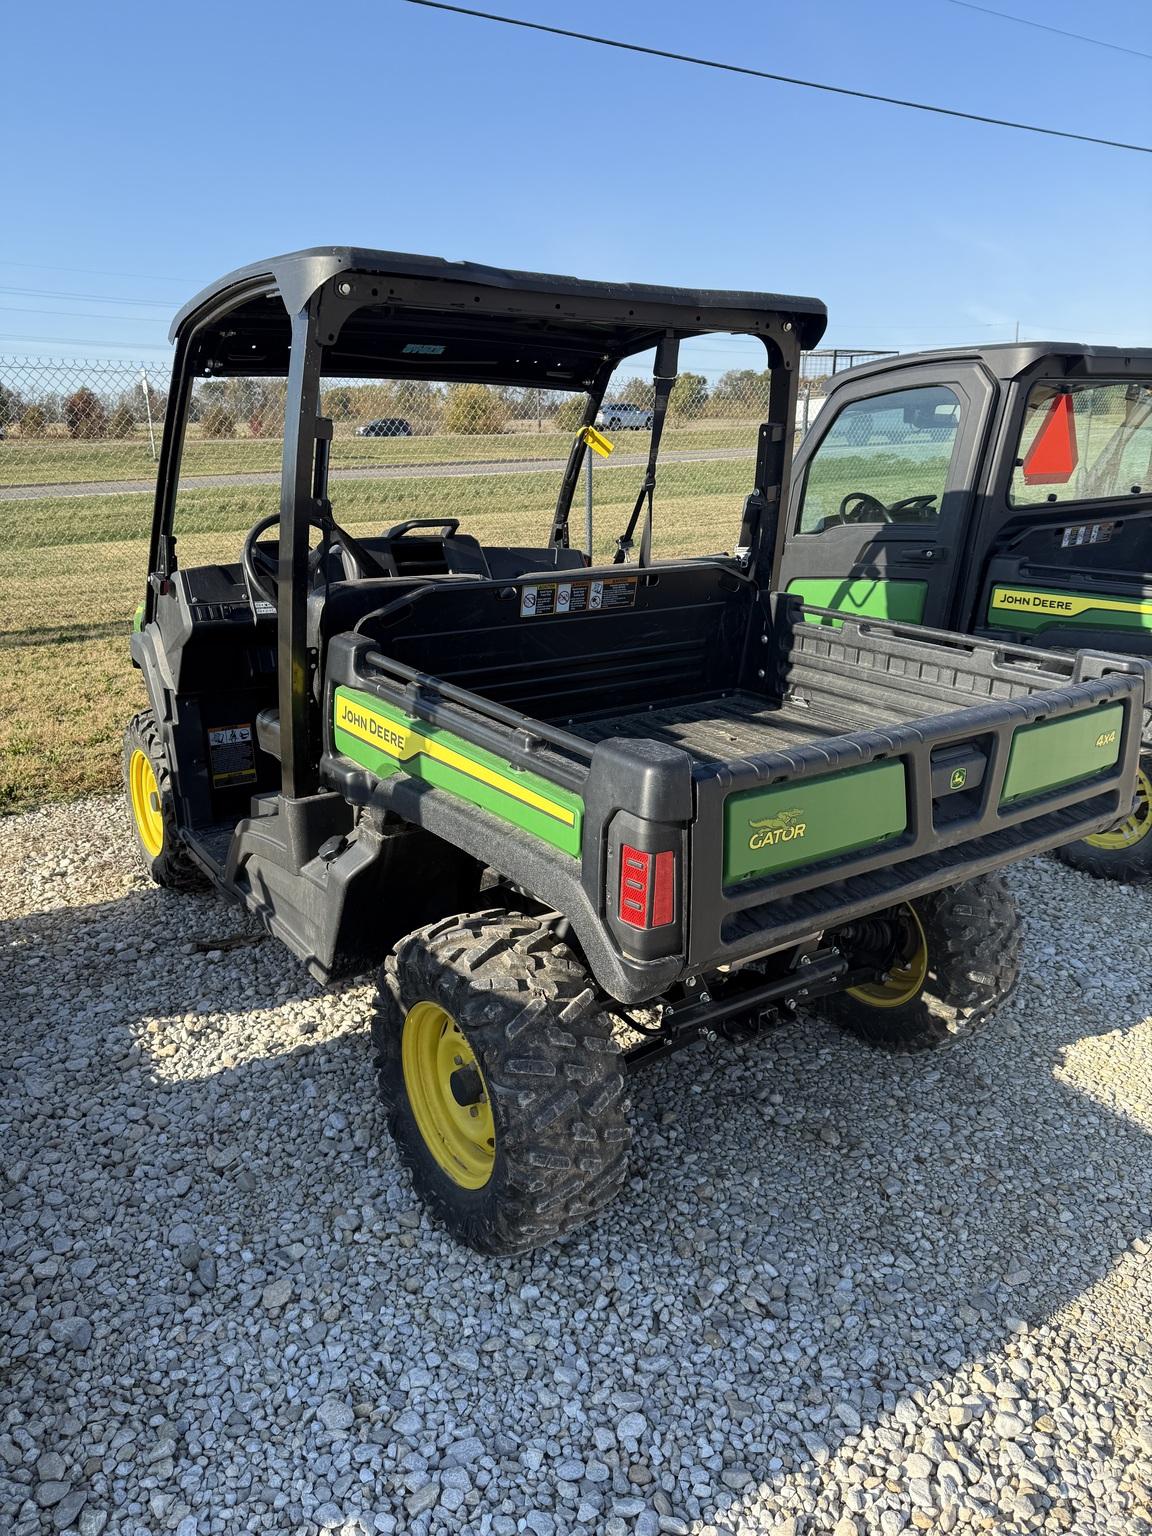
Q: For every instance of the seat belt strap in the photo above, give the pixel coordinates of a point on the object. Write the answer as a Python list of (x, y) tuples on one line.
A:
[(663, 378)]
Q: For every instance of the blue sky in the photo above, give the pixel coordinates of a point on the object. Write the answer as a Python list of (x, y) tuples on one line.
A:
[(178, 141)]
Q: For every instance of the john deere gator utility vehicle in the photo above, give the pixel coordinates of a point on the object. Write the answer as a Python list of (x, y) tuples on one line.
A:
[(583, 814), (1003, 491)]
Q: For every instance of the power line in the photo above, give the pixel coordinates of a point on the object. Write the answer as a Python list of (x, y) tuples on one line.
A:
[(82, 314), (1042, 26), (141, 277), (763, 74), (85, 341), (87, 298)]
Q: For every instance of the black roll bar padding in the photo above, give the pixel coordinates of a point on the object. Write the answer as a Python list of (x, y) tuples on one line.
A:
[(299, 776)]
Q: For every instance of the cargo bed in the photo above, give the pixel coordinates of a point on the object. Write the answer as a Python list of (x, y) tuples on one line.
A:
[(732, 725), (850, 765)]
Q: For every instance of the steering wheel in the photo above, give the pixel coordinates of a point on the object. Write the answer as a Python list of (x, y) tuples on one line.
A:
[(261, 569), (858, 505), (863, 507), (916, 505)]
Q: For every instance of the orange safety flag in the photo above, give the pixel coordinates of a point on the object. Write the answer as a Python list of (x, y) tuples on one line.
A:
[(1053, 456)]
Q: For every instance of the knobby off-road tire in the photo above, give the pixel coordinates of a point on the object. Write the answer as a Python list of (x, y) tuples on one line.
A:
[(549, 1073), (151, 805), (1123, 852), (971, 936)]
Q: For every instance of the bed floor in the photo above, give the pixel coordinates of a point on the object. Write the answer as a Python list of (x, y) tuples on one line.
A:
[(730, 725)]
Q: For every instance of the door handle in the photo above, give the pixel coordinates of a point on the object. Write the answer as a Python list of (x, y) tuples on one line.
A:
[(933, 554)]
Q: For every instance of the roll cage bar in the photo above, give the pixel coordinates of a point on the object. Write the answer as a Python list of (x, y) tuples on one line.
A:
[(349, 313)]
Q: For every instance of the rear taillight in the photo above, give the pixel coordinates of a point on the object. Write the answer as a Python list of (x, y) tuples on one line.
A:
[(647, 888)]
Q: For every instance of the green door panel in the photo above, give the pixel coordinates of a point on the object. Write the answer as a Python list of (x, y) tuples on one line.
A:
[(1031, 609), (902, 601)]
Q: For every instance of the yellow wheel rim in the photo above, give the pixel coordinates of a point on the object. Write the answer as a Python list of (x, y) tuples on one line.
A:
[(145, 796), (903, 981), (448, 1095), (1135, 827)]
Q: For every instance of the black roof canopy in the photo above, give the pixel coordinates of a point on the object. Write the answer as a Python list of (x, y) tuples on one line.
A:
[(389, 315), (1011, 359)]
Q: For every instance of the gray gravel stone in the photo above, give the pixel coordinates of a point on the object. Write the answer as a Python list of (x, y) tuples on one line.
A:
[(278, 1293), (75, 1332), (50, 1492), (69, 1507), (336, 1416)]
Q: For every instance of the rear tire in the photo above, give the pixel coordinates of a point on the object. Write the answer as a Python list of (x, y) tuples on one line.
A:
[(505, 1092), (1123, 852), (968, 966), (152, 807)]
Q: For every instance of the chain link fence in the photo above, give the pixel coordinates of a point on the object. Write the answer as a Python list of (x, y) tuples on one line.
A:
[(78, 448)]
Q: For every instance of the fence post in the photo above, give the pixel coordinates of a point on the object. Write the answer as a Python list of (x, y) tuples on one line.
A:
[(588, 502), (148, 410)]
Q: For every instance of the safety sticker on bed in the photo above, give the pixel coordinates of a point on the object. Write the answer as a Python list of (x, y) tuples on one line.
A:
[(552, 598)]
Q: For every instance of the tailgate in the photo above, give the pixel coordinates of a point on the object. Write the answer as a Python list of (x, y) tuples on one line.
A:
[(790, 842)]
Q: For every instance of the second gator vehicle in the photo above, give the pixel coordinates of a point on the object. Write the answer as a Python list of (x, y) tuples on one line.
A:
[(1003, 491), (583, 814)]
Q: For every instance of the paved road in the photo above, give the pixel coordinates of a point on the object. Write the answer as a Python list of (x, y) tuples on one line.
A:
[(365, 472)]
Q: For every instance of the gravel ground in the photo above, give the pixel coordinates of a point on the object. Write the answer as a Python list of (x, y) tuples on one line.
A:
[(843, 1293)]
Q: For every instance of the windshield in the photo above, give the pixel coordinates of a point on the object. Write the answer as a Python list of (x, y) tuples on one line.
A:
[(884, 459)]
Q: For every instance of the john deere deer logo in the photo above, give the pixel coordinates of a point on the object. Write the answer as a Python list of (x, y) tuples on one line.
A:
[(784, 827)]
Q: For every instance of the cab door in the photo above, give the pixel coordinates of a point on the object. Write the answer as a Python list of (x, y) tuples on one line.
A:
[(1067, 528), (883, 494)]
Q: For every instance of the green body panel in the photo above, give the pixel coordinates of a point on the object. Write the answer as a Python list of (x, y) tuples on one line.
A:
[(138, 619), (1129, 613), (811, 820), (470, 779), (902, 601), (1053, 753)]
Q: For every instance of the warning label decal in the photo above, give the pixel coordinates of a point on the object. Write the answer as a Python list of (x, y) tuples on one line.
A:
[(550, 599), (231, 754)]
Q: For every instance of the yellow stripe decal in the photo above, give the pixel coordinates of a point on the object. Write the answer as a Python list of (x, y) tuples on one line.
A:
[(1058, 603), (402, 743)]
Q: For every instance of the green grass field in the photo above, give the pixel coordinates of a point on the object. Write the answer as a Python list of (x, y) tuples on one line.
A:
[(68, 592)]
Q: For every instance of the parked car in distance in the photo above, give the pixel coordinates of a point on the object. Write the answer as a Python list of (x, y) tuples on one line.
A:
[(386, 426), (623, 416)]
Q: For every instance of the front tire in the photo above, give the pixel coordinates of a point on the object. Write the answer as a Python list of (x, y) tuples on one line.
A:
[(958, 962), (152, 806), (505, 1092), (1123, 852)]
